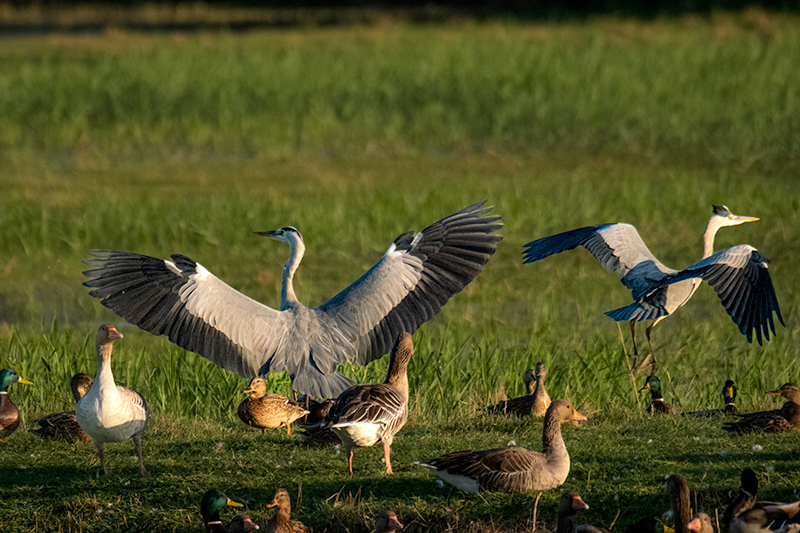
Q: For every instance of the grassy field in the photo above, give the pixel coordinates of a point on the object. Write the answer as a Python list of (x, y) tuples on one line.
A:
[(190, 142)]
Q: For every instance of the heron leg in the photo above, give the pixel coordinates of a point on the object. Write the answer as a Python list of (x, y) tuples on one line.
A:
[(387, 451), (635, 350), (654, 366), (137, 442), (349, 452)]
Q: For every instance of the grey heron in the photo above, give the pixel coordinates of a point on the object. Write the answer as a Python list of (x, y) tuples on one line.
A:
[(738, 274), (197, 311)]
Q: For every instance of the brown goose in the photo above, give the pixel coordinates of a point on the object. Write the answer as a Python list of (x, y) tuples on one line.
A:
[(512, 469), (776, 421), (242, 523), (281, 522), (746, 515), (64, 426), (109, 412), (534, 403), (366, 414), (701, 523), (386, 522), (568, 507), (266, 411)]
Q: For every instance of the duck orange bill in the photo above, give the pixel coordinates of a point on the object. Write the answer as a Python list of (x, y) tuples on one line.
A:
[(577, 416), (232, 503), (578, 503), (772, 392), (694, 525), (25, 381), (247, 391), (273, 503)]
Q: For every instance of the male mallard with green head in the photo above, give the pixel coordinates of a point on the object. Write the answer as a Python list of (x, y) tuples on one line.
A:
[(266, 411), (786, 418), (213, 500), (9, 414), (657, 404), (729, 399), (64, 426)]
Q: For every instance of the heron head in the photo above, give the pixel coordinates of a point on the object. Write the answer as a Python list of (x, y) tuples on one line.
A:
[(285, 234), (726, 218)]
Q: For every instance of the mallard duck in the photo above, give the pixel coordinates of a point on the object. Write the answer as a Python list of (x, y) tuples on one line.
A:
[(242, 523), (678, 490), (281, 522), (746, 515), (534, 403), (728, 396), (657, 404), (64, 426), (512, 469), (9, 414), (776, 421), (267, 411), (365, 414), (213, 500), (317, 411), (110, 412), (386, 522)]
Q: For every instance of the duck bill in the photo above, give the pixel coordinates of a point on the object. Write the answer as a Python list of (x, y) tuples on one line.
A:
[(25, 381), (772, 392), (577, 416), (247, 391), (273, 503), (578, 503), (646, 387), (231, 503), (668, 529)]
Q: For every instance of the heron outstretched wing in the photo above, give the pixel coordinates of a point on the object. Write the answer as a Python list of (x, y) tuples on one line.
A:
[(188, 304), (741, 279), (615, 246), (413, 280)]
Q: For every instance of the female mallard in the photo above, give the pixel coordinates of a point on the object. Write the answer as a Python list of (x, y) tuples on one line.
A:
[(776, 421), (213, 500), (657, 404), (281, 522), (9, 414), (728, 396), (386, 522), (365, 414), (64, 426), (109, 412), (534, 403), (267, 411), (746, 515), (513, 469)]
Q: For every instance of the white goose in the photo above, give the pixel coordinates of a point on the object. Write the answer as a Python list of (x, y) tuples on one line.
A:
[(108, 412)]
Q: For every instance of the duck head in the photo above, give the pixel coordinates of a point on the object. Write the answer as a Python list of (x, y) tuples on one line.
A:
[(9, 376)]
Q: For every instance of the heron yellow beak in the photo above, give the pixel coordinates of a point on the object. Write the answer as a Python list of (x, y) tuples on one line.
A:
[(232, 503), (25, 381)]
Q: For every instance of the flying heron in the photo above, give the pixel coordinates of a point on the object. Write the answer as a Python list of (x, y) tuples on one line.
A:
[(738, 274), (197, 311)]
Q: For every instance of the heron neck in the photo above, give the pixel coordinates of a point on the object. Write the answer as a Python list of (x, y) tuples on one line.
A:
[(708, 237), (288, 297)]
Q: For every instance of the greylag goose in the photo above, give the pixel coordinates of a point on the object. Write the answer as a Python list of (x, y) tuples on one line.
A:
[(386, 522), (213, 500), (657, 404), (242, 523), (110, 412), (416, 276), (365, 414), (728, 396), (281, 522), (739, 275), (512, 469), (746, 515), (9, 414), (534, 403), (701, 523), (568, 507), (786, 418), (266, 411), (64, 426)]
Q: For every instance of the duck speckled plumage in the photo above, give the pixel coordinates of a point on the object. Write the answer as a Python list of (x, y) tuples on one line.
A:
[(786, 418), (109, 412), (534, 403), (657, 404), (513, 469), (266, 411), (282, 522), (746, 515), (64, 426), (9, 414), (365, 414)]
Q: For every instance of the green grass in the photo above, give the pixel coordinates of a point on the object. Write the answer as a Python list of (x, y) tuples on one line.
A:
[(189, 143)]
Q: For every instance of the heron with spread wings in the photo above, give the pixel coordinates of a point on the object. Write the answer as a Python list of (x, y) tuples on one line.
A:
[(738, 274), (197, 311)]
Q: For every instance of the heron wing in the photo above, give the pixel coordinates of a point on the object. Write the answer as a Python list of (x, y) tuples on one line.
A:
[(412, 281), (617, 247), (188, 304), (741, 279)]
